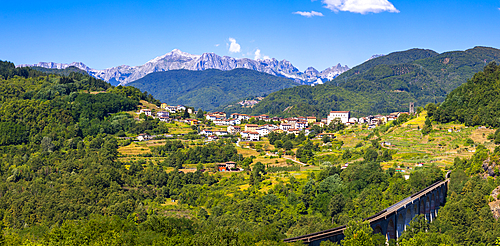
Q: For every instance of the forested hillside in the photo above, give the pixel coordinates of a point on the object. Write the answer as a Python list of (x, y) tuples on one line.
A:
[(210, 88), (382, 85), (476, 102)]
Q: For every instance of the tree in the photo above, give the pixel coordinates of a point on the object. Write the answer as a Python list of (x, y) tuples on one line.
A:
[(325, 138), (109, 149), (2, 237), (419, 110), (360, 233), (202, 213), (431, 109), (427, 127), (186, 114), (278, 144), (257, 171), (417, 224), (288, 145), (199, 114), (331, 185), (337, 204), (199, 167), (347, 155), (370, 155)]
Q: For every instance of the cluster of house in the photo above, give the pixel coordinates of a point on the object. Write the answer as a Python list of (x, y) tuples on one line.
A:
[(254, 132), (293, 125), (162, 115), (175, 109), (229, 166), (372, 120)]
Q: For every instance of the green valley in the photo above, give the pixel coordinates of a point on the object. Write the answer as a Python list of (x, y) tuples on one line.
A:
[(73, 173), (210, 88)]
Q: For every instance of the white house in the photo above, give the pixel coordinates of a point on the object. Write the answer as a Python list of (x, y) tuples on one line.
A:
[(285, 126), (221, 133), (171, 109), (240, 116), (249, 135), (233, 122), (263, 131), (164, 119), (145, 111), (143, 136), (206, 132), (220, 122), (342, 115), (301, 124), (162, 114), (211, 117), (271, 127), (294, 131)]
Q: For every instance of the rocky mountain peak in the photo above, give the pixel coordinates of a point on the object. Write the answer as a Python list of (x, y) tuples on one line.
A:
[(176, 59)]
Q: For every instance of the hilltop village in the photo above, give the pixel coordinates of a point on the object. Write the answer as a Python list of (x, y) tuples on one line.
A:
[(253, 128)]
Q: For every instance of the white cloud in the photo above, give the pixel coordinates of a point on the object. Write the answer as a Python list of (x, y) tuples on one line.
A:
[(217, 45), (308, 14), (360, 6), (234, 47), (257, 55)]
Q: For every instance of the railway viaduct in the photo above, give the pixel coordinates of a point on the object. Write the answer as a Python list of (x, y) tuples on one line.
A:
[(392, 221)]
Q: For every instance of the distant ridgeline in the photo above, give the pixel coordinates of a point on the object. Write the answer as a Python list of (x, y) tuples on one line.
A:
[(476, 102), (381, 85), (210, 88), (65, 72)]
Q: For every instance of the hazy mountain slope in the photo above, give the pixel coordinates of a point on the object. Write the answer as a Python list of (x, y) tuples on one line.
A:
[(210, 88)]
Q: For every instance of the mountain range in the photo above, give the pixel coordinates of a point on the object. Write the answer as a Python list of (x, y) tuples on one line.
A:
[(176, 59)]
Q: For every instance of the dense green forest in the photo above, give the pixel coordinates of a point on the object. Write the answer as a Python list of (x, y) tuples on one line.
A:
[(381, 85), (476, 102), (61, 182), (210, 88)]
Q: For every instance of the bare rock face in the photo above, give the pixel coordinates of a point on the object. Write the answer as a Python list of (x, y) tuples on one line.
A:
[(177, 59), (495, 205), (490, 168)]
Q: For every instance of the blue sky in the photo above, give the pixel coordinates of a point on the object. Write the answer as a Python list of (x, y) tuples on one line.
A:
[(319, 33)]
